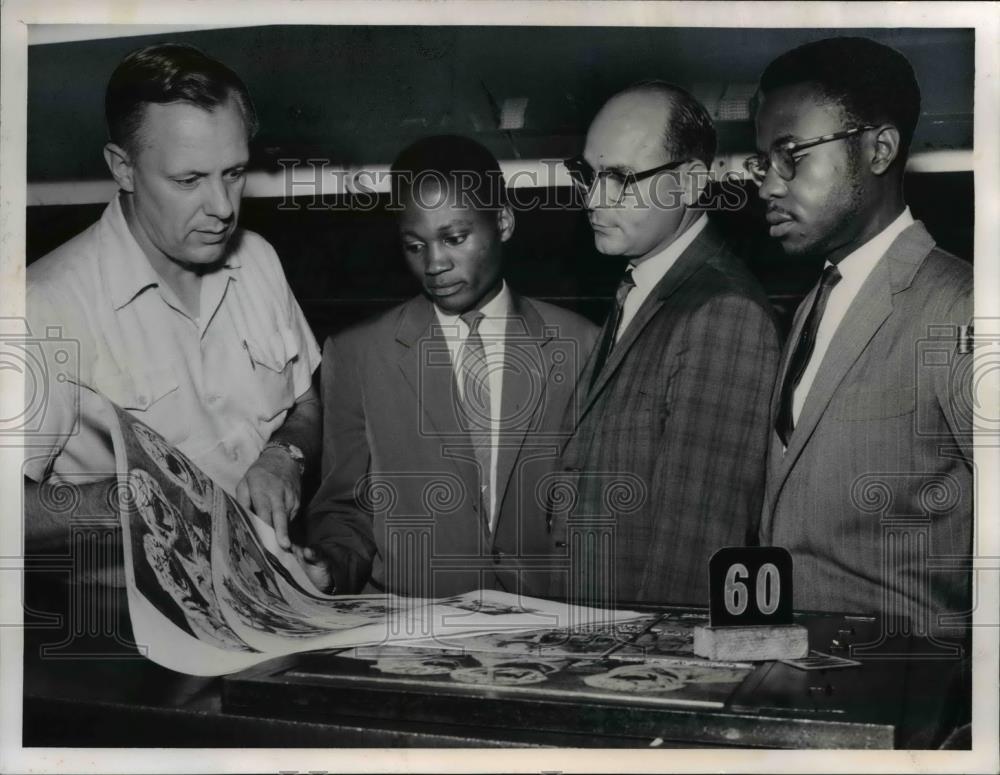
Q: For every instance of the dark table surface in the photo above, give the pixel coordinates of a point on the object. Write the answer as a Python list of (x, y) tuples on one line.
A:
[(85, 684)]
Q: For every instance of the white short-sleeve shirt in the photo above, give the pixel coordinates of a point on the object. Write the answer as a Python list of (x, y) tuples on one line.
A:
[(216, 386)]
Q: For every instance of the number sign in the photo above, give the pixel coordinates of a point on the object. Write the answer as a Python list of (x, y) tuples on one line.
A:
[(749, 586)]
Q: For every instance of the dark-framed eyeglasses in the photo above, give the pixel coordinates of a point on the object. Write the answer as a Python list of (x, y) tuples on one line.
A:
[(782, 156), (584, 176)]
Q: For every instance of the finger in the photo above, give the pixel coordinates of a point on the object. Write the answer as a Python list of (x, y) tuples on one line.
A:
[(279, 519), (261, 503), (243, 493), (291, 503)]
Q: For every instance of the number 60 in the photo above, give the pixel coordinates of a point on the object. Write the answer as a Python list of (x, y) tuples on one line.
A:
[(768, 589)]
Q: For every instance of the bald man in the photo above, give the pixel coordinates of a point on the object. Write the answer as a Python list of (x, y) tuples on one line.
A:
[(667, 453)]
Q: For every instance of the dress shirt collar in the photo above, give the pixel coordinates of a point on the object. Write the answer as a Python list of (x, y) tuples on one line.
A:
[(129, 271), (648, 273), (495, 312), (856, 266)]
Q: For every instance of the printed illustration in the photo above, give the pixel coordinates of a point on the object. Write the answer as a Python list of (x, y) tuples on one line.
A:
[(176, 550), (174, 464)]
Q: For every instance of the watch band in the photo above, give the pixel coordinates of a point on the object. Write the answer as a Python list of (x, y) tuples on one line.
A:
[(294, 453)]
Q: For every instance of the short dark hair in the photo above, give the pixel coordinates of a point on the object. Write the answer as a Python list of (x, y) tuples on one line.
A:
[(167, 73), (689, 132), (458, 161), (872, 82)]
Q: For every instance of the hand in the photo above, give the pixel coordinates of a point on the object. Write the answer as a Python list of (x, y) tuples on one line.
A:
[(271, 489), (316, 566)]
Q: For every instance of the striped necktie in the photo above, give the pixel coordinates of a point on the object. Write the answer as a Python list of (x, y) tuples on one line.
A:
[(784, 423), (611, 330), (477, 407)]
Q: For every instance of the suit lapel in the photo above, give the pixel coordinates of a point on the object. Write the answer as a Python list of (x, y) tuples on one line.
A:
[(525, 377), (705, 246), (867, 313), (426, 366)]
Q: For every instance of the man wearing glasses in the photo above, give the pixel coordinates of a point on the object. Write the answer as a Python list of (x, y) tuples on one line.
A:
[(666, 455), (868, 420)]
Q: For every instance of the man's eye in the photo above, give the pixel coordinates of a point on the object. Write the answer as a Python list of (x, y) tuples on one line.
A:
[(617, 177), (237, 174), (413, 247), (187, 182), (455, 239)]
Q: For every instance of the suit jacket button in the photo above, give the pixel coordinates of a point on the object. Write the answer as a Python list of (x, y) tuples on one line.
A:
[(560, 544)]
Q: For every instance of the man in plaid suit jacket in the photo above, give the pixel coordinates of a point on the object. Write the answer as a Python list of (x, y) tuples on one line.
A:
[(666, 461)]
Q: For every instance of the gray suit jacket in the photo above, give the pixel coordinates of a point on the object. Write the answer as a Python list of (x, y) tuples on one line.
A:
[(876, 485), (666, 462), (398, 506)]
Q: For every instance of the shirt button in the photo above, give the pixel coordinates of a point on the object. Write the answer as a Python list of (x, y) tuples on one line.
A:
[(142, 400)]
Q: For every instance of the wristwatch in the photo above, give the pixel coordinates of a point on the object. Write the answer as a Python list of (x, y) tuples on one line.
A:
[(294, 453)]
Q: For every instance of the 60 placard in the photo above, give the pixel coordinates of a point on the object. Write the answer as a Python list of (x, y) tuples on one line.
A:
[(750, 586)]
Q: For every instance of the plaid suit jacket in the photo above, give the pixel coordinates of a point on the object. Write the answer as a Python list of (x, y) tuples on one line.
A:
[(666, 460), (876, 484)]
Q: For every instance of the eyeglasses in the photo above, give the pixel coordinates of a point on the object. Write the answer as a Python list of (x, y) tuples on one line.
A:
[(782, 155), (584, 176)]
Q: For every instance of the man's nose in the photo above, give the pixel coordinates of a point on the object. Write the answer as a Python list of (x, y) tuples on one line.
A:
[(596, 195), (438, 260), (772, 186), (218, 203)]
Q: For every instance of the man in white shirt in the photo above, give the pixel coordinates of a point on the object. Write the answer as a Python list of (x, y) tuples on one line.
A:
[(180, 316), (443, 415), (666, 457), (870, 462)]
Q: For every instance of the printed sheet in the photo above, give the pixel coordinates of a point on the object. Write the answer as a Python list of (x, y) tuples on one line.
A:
[(210, 592)]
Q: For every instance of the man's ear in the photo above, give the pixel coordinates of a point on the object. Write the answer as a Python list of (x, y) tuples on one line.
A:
[(885, 149), (120, 164), (505, 222), (695, 181)]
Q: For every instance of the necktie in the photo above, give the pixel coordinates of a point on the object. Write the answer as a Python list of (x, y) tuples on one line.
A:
[(477, 407), (784, 423), (611, 330)]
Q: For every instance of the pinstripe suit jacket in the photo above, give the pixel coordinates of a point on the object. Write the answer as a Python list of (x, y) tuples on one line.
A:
[(878, 472), (667, 456)]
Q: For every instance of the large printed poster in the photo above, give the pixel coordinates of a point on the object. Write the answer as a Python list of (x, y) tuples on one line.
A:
[(210, 592)]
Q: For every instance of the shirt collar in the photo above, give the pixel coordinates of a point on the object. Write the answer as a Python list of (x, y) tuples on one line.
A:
[(497, 308), (649, 272), (859, 264), (129, 272)]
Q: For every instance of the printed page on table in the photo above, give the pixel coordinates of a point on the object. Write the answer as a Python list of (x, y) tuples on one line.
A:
[(439, 671)]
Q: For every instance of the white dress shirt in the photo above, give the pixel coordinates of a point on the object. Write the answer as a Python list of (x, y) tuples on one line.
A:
[(493, 331), (648, 273), (854, 270)]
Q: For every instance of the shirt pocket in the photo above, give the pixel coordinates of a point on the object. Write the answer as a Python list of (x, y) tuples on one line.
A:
[(273, 359), (142, 390), (875, 404), (153, 396)]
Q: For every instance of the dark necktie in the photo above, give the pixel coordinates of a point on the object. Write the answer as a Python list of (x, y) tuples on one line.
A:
[(784, 423), (477, 406), (614, 322)]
